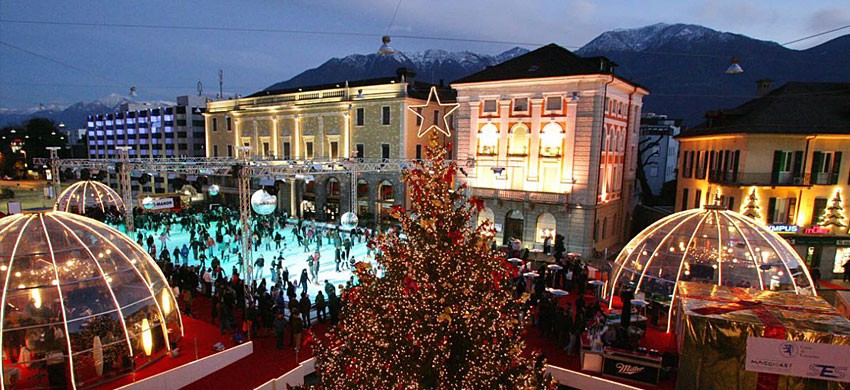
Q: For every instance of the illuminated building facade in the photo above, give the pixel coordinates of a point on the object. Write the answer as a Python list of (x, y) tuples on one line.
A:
[(552, 137), (149, 132), (365, 119), (782, 160)]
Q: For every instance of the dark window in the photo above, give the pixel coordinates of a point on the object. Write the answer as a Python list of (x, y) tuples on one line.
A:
[(215, 150), (308, 150), (334, 150), (199, 134), (181, 109), (697, 199), (360, 116), (197, 123), (198, 147), (361, 150), (418, 152), (385, 151), (182, 134), (229, 150), (385, 115), (181, 122), (521, 105), (183, 146), (553, 103), (419, 117), (287, 150), (214, 124), (684, 199), (229, 123), (817, 210), (490, 106), (436, 117)]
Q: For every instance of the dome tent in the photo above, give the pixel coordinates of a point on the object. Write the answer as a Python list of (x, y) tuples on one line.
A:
[(80, 299), (710, 245), (87, 197)]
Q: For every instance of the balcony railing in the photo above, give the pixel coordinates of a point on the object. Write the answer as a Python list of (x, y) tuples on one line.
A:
[(770, 179), (521, 196)]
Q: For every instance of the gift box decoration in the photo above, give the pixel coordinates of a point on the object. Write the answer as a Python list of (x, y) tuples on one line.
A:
[(715, 323)]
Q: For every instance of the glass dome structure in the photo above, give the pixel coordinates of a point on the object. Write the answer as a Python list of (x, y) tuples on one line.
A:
[(709, 245), (81, 302), (88, 198)]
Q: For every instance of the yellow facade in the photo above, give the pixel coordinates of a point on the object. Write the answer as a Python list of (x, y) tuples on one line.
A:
[(785, 181)]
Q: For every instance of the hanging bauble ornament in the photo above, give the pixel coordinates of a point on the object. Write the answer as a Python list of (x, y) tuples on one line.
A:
[(262, 203), (148, 203), (213, 190), (348, 221)]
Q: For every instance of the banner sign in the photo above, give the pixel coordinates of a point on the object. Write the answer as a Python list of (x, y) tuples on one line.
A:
[(784, 228), (163, 203), (632, 369), (798, 358)]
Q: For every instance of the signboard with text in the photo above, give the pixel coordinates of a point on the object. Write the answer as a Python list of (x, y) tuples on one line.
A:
[(781, 228), (798, 358)]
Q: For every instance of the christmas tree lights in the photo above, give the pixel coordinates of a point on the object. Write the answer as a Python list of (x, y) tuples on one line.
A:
[(443, 316)]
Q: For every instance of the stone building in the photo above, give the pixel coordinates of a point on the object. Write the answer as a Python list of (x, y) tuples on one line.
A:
[(552, 137), (364, 120)]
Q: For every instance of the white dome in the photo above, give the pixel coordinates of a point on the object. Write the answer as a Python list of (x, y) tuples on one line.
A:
[(86, 197), (75, 286), (709, 245)]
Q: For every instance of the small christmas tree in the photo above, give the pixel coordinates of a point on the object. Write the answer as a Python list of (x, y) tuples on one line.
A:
[(443, 315), (751, 209), (833, 214)]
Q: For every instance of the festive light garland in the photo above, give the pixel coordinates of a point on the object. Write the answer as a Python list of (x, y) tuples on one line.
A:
[(443, 316)]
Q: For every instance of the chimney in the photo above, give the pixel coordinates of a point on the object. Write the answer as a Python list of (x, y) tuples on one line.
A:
[(763, 86), (405, 74)]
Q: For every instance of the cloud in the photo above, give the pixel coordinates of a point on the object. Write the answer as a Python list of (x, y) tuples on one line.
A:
[(828, 18)]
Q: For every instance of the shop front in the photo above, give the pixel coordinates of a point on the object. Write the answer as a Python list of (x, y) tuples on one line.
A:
[(818, 247)]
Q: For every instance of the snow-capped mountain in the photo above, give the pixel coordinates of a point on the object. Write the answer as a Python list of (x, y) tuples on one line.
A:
[(658, 35), (74, 115), (429, 65)]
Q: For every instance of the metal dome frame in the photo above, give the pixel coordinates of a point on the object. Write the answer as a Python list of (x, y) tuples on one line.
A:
[(104, 195), (638, 248), (68, 242)]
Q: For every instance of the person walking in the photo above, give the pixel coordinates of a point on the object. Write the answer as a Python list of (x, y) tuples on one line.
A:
[(305, 279), (320, 307), (304, 307), (296, 327), (279, 327)]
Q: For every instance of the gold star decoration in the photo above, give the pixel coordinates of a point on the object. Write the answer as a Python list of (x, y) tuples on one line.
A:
[(433, 94)]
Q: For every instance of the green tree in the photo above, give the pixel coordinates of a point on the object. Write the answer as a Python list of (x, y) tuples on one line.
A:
[(443, 316)]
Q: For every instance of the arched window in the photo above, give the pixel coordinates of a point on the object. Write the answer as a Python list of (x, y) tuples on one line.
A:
[(551, 140), (486, 215), (333, 187), (546, 226), (488, 140), (385, 191), (518, 141)]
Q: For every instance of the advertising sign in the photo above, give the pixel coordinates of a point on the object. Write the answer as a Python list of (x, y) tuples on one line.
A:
[(163, 203), (798, 358), (632, 369)]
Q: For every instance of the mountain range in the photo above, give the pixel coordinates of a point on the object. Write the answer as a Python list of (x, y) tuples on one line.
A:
[(681, 64)]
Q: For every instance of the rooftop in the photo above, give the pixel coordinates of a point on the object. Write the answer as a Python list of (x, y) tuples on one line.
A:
[(794, 108)]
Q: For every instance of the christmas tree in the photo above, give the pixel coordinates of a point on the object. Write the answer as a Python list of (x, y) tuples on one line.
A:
[(751, 209), (834, 213), (443, 315)]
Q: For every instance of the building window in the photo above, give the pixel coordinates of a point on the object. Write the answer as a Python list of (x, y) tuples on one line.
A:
[(287, 150), (697, 199), (488, 140), (334, 150), (521, 105), (229, 150), (518, 141), (215, 151), (418, 152), (229, 123), (214, 124), (360, 116), (553, 103), (308, 149), (781, 210), (266, 149), (489, 106), (436, 117), (361, 150), (825, 167), (385, 115), (385, 151), (551, 140), (817, 210)]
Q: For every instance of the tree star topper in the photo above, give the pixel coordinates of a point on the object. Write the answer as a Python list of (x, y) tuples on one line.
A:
[(447, 130)]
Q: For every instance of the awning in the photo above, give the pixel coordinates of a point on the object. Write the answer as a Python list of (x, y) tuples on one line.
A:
[(266, 182)]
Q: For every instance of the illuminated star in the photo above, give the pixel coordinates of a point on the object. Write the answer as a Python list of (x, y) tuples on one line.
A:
[(434, 94)]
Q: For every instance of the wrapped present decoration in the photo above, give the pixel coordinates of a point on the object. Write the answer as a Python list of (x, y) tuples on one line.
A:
[(715, 324)]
